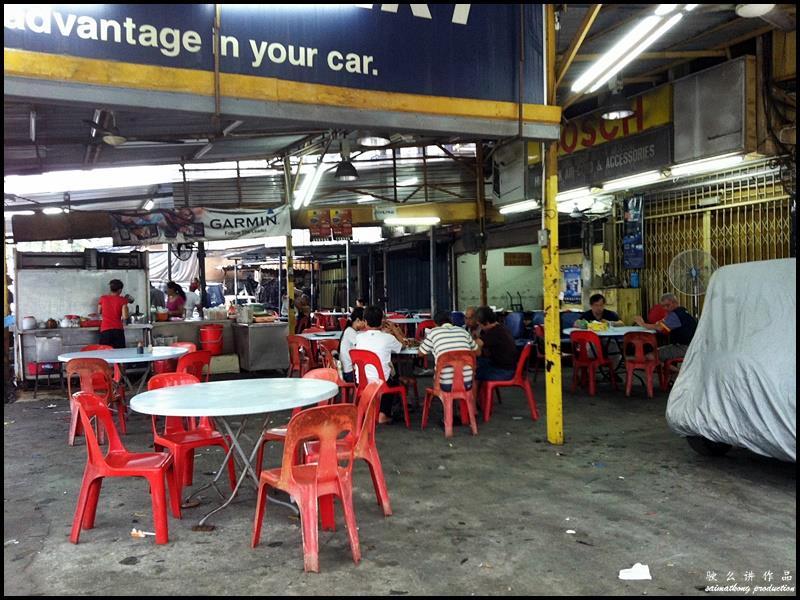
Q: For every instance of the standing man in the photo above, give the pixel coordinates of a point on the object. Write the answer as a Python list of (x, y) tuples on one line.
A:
[(679, 325)]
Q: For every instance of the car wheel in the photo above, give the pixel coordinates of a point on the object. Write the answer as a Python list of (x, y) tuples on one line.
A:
[(706, 447)]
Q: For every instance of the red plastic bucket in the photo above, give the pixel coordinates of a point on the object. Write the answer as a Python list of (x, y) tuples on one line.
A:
[(211, 339)]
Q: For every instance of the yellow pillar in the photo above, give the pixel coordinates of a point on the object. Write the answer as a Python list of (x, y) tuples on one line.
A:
[(552, 272)]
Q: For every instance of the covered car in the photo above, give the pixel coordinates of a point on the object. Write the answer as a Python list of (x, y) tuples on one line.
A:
[(738, 382)]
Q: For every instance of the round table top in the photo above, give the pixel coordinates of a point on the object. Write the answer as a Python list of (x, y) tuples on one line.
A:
[(407, 321), (128, 355), (412, 351), (329, 313), (318, 337), (614, 331), (237, 397)]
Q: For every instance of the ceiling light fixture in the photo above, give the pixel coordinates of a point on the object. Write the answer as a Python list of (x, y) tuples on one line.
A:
[(148, 205), (705, 165), (519, 207), (16, 213), (52, 210), (634, 181), (616, 105), (412, 220), (345, 171), (365, 199), (310, 183), (750, 11), (373, 141)]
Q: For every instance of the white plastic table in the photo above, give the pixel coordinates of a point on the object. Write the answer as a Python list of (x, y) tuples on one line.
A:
[(123, 356), (408, 321), (223, 399), (614, 331), (318, 337)]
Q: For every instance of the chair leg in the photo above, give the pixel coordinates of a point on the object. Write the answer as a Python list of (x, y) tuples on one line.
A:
[(326, 513), (531, 400), (405, 408), (426, 407), (346, 490), (174, 487), (373, 460), (90, 511), (308, 523), (261, 505), (629, 379), (159, 501), (447, 404), (83, 498), (488, 393)]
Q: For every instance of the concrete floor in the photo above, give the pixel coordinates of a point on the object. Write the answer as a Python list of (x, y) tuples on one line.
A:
[(483, 515)]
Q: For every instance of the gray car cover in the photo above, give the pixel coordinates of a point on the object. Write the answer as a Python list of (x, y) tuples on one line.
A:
[(738, 382)]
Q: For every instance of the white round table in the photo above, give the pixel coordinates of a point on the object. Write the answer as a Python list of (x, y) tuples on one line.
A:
[(123, 356), (318, 337), (614, 331), (408, 321), (222, 399)]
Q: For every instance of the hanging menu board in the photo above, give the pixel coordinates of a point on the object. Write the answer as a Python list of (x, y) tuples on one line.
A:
[(319, 222), (342, 223), (633, 233)]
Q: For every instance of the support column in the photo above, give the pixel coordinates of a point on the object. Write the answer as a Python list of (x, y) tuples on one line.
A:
[(484, 283), (552, 272), (433, 269), (201, 263), (373, 299), (287, 172), (347, 274), (311, 272), (280, 280), (386, 279), (169, 262)]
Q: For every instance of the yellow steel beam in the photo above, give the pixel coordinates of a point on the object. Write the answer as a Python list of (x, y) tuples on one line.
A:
[(662, 55), (552, 272), (575, 45)]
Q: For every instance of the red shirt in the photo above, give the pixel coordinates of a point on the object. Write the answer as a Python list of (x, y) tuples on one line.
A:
[(111, 309)]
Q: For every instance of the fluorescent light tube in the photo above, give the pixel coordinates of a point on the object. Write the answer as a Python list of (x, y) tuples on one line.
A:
[(52, 210), (626, 183), (708, 164), (412, 220), (519, 207), (636, 51), (572, 194), (616, 52)]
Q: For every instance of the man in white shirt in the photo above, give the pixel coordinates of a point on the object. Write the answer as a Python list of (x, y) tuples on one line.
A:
[(383, 345), (446, 337), (192, 298)]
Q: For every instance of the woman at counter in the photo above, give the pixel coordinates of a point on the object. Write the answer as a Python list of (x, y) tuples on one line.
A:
[(176, 299), (113, 309)]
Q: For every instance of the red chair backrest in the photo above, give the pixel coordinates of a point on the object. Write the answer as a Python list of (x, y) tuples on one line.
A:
[(170, 380), (92, 347), (194, 362), (90, 406), (343, 323), (641, 344), (192, 347), (421, 327), (522, 363), (171, 424), (455, 360), (95, 374), (323, 374), (323, 423), (328, 361), (296, 343), (581, 341), (361, 359), (538, 331), (368, 404)]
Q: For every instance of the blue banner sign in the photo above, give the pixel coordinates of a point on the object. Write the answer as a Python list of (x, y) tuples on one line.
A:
[(465, 51)]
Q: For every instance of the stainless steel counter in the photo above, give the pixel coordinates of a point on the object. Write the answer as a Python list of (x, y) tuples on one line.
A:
[(262, 346)]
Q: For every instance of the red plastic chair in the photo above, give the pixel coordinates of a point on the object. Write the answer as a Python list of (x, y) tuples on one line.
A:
[(643, 357), (92, 372), (99, 382), (326, 358), (421, 327), (170, 365), (182, 441), (488, 388), (455, 360), (192, 347), (327, 361), (364, 358), (585, 362), (331, 345), (301, 357), (363, 447), (670, 368), (343, 323), (278, 434), (118, 462), (194, 363), (307, 483)]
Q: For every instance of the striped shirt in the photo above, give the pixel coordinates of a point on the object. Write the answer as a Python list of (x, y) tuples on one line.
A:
[(447, 338)]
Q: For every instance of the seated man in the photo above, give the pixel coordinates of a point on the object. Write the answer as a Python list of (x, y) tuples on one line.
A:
[(498, 351), (471, 321), (598, 311), (446, 337), (383, 344), (679, 325)]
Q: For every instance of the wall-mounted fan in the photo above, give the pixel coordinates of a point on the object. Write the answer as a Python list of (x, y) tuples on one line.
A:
[(111, 135), (690, 272), (591, 208)]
